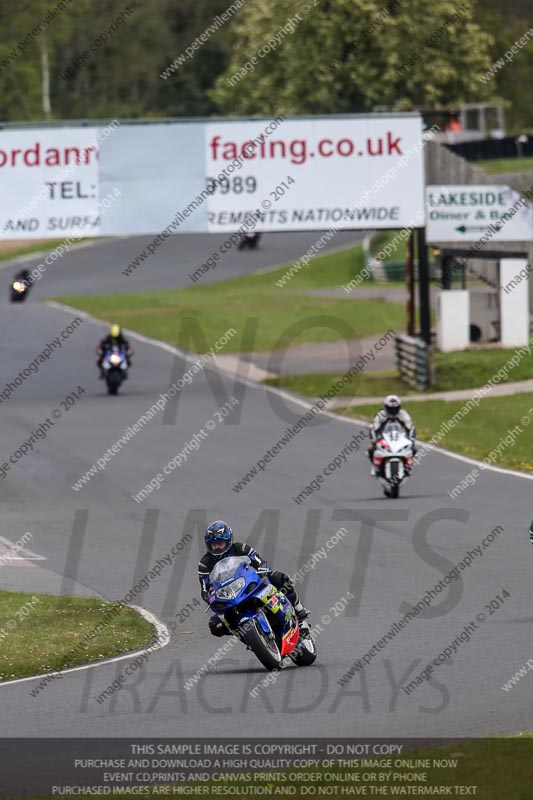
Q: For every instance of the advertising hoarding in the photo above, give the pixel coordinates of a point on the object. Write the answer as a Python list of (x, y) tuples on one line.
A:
[(354, 172), (50, 183)]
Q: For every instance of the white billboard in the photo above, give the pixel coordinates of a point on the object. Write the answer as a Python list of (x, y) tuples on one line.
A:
[(50, 184), (360, 172), (309, 174), (478, 213)]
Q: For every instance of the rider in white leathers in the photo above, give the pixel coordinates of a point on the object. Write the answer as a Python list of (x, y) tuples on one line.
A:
[(392, 410)]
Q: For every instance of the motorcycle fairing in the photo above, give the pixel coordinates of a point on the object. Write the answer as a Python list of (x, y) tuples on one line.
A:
[(275, 603)]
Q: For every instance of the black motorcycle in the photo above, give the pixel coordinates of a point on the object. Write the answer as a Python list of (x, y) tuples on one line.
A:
[(250, 240), (19, 290)]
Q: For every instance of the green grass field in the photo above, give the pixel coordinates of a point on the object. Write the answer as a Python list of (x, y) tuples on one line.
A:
[(464, 370), (369, 384), (477, 434), (323, 272), (473, 368), (172, 315), (38, 631)]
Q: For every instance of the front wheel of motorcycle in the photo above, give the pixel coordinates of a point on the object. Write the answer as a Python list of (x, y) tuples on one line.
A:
[(262, 644), (113, 380), (394, 485)]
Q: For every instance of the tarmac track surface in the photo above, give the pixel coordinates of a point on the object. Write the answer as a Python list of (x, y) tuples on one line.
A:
[(99, 540), (93, 268)]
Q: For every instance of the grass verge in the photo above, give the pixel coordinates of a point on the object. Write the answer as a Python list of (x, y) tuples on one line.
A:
[(38, 632), (364, 384), (494, 165), (480, 433), (170, 315), (469, 369), (7, 253), (330, 271)]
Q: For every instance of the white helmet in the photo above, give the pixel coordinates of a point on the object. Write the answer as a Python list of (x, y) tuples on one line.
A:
[(392, 405)]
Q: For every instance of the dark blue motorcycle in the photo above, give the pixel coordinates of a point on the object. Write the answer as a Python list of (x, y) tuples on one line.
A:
[(257, 613), (115, 368)]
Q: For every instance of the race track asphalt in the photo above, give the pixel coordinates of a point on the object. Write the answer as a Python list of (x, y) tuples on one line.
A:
[(97, 267), (101, 541)]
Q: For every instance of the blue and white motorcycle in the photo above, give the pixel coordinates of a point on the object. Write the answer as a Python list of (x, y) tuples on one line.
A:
[(257, 613)]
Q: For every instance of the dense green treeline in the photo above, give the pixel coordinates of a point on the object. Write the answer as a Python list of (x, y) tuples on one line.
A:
[(70, 59)]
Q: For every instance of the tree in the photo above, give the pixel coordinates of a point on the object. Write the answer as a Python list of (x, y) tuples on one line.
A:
[(508, 22), (127, 43), (353, 55), (20, 70)]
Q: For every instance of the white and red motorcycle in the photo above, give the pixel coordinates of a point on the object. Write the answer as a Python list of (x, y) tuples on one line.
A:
[(393, 458)]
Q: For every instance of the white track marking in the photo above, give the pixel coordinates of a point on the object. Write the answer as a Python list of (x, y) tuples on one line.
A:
[(162, 639), (22, 554), (192, 358)]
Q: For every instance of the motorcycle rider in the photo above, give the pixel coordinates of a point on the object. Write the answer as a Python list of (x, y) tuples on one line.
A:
[(249, 239), (220, 544), (392, 410), (115, 338), (20, 285), (23, 275)]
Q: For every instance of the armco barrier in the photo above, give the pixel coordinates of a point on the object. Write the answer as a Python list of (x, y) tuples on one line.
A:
[(387, 271), (414, 359)]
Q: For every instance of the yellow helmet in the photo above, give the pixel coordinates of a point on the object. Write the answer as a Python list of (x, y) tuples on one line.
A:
[(115, 331)]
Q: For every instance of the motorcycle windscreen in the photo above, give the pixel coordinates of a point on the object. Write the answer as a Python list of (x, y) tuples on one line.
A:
[(226, 568), (394, 427)]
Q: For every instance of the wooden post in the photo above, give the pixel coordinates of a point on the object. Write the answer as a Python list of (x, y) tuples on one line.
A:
[(410, 283), (423, 286)]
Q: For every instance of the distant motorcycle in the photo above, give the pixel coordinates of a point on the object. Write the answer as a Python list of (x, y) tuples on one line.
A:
[(19, 291), (257, 613), (115, 369), (393, 458), (250, 240)]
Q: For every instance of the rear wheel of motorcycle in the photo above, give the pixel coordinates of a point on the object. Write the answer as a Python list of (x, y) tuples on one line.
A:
[(305, 653), (395, 491), (262, 646)]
